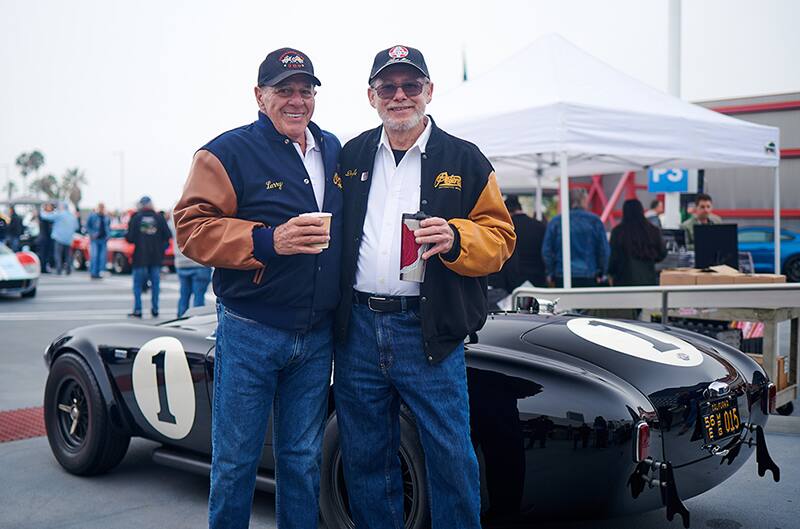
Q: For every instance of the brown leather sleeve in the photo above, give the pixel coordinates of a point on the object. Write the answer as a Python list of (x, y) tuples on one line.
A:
[(487, 235), (205, 224)]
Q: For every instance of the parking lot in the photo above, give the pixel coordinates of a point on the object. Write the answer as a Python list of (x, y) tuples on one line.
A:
[(36, 493)]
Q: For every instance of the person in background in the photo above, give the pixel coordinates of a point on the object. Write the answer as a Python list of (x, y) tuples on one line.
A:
[(702, 215), (15, 229), (193, 277), (655, 213), (588, 245), (4, 221), (98, 227), (44, 242), (636, 247), (150, 235), (64, 227)]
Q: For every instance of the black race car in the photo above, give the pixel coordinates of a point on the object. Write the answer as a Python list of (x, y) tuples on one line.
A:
[(570, 415)]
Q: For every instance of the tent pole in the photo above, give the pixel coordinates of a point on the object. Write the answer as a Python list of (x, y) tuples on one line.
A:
[(566, 255), (776, 214), (538, 194)]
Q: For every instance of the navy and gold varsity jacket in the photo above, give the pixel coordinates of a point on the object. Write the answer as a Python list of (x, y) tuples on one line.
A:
[(458, 184)]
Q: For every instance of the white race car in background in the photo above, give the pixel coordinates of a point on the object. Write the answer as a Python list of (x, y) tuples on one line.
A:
[(19, 272)]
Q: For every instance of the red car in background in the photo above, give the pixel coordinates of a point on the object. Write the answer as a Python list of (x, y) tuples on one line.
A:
[(120, 251)]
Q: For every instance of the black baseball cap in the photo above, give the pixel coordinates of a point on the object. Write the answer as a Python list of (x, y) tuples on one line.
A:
[(398, 55), (284, 63)]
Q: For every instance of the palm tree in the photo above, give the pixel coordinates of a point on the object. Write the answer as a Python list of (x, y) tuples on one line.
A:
[(47, 185), (29, 162), (71, 184), (10, 188)]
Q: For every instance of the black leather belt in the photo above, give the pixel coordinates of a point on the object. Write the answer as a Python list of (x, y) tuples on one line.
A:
[(386, 303)]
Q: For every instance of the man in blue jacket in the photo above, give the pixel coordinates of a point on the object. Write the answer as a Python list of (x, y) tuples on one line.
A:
[(588, 245), (97, 227), (276, 288)]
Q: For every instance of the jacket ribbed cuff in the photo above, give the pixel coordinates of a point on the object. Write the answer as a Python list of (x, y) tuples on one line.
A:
[(263, 247)]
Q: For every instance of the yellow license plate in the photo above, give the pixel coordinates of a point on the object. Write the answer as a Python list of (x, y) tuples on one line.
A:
[(720, 419)]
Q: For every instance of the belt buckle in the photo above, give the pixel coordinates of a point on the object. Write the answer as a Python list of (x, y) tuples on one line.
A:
[(369, 303)]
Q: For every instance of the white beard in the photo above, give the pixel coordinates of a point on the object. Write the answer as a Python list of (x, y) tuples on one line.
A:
[(401, 125)]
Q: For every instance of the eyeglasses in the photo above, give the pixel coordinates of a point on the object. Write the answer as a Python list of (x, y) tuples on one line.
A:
[(288, 92), (410, 89)]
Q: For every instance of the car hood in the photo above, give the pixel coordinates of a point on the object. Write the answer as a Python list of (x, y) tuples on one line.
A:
[(651, 357)]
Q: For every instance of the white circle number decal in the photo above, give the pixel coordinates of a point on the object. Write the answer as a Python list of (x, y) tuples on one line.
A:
[(638, 341), (163, 387)]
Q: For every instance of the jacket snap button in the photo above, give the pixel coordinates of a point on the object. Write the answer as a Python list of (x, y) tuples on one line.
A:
[(430, 359), (424, 202), (423, 299), (424, 156), (286, 141), (305, 181)]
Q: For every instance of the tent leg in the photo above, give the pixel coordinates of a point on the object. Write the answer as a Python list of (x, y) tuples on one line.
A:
[(566, 254), (776, 213), (539, 206)]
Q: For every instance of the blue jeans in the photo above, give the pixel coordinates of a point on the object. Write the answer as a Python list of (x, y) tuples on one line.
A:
[(140, 275), (194, 283), (258, 368), (382, 363), (97, 257)]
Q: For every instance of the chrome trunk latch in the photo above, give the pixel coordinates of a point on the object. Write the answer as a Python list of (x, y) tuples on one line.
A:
[(717, 389)]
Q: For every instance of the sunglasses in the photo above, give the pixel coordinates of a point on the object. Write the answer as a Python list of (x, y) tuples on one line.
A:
[(410, 89)]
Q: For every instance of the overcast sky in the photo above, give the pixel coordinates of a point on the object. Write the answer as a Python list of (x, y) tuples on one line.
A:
[(86, 80)]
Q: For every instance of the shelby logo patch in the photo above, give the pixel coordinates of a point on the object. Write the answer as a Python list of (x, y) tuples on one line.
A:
[(274, 185), (337, 180), (447, 181), (292, 59)]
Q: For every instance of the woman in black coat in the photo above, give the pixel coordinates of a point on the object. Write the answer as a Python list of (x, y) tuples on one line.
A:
[(636, 247)]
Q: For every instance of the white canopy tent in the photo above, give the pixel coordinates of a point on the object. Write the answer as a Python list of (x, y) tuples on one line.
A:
[(555, 109)]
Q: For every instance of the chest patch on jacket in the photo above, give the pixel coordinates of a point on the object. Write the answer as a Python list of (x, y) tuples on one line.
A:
[(274, 185), (447, 181)]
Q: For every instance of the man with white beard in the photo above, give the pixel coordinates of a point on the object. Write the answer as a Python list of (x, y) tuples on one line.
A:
[(402, 340)]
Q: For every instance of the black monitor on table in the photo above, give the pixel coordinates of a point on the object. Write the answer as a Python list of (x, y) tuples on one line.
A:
[(716, 244)]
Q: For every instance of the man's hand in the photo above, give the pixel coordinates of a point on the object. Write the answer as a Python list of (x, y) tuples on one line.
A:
[(298, 234), (435, 231)]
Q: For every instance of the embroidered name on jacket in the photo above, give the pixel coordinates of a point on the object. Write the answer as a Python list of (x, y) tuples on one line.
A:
[(351, 172), (274, 185), (337, 180), (447, 181)]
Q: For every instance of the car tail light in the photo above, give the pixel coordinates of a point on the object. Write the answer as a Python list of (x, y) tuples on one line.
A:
[(29, 262), (770, 400), (642, 441)]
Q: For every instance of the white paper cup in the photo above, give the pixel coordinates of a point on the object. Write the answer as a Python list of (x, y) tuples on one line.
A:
[(326, 217)]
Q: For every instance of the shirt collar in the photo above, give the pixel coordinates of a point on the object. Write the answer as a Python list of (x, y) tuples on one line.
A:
[(311, 143), (421, 143)]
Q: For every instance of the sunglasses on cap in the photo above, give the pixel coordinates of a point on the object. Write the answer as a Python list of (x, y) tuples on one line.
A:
[(410, 89)]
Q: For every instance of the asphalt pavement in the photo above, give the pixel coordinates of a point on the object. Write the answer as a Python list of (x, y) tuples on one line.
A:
[(36, 493)]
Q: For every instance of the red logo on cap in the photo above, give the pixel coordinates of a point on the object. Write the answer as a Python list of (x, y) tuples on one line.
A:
[(398, 52), (292, 59)]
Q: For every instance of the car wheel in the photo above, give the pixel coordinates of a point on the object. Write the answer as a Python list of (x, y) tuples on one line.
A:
[(119, 264), (79, 430), (29, 294), (334, 505), (792, 269), (786, 409), (78, 260)]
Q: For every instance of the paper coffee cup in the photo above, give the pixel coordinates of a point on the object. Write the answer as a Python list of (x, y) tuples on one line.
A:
[(326, 217), (412, 265)]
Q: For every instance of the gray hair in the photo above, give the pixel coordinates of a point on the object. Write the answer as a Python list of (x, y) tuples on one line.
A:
[(576, 197)]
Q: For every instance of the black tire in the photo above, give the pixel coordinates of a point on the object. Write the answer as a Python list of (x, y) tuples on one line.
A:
[(29, 294), (333, 501), (120, 264), (79, 430), (78, 260), (792, 269), (786, 409)]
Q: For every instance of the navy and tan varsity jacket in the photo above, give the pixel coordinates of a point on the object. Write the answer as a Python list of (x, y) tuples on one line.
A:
[(458, 184), (241, 185)]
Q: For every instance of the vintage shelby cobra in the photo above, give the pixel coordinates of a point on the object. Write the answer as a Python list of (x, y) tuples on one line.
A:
[(571, 415)]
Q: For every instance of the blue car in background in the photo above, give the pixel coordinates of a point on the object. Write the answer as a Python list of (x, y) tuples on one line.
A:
[(758, 240)]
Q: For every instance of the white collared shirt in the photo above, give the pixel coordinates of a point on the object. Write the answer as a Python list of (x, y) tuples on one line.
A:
[(312, 160), (395, 190)]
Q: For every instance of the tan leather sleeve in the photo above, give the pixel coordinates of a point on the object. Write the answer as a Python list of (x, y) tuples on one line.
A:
[(487, 235), (205, 224)]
